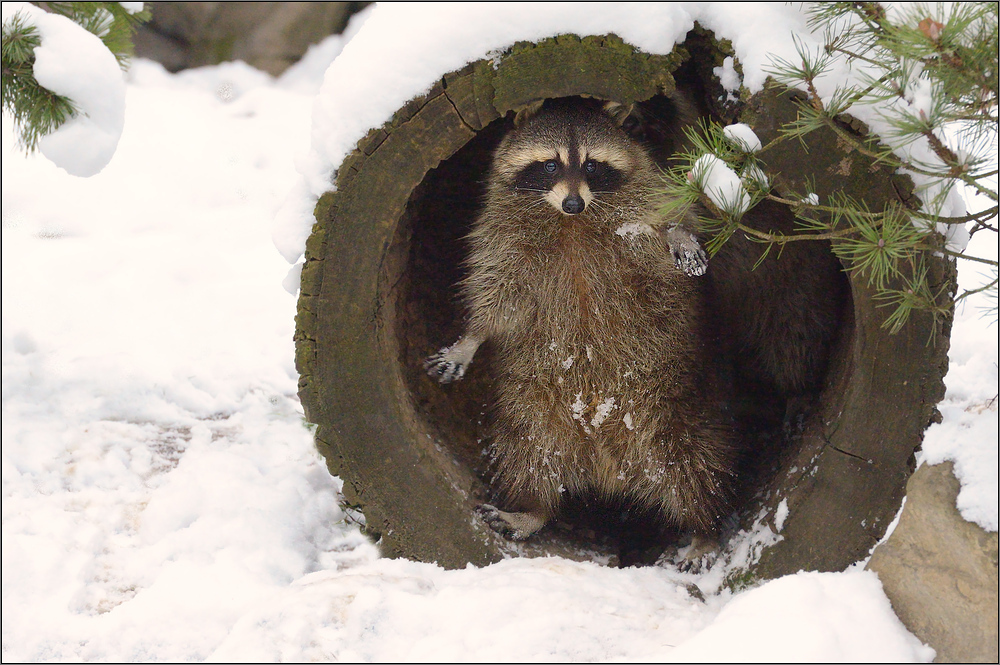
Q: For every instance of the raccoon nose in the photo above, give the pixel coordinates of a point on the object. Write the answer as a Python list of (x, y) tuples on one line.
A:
[(573, 204)]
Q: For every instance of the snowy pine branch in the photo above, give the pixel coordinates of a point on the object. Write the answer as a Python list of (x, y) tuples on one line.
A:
[(62, 81), (930, 77), (36, 110), (113, 22)]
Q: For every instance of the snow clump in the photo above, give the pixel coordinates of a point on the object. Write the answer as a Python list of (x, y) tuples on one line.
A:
[(742, 137), (721, 184)]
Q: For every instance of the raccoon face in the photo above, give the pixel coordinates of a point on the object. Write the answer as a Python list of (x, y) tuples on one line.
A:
[(568, 180), (567, 156)]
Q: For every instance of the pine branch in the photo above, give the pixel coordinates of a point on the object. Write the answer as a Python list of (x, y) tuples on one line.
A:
[(982, 289), (952, 57), (36, 110), (967, 257), (977, 217)]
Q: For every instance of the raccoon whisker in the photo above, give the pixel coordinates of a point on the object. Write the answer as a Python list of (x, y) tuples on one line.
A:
[(534, 203), (602, 206)]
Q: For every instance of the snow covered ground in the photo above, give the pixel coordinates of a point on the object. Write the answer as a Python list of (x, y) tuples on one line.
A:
[(162, 499)]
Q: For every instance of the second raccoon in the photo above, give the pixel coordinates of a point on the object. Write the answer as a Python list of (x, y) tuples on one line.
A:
[(601, 343)]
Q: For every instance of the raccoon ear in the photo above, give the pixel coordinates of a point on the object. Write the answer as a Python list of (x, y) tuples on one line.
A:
[(527, 112), (619, 112)]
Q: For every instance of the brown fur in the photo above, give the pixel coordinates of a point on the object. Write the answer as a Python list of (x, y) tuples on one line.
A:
[(579, 314)]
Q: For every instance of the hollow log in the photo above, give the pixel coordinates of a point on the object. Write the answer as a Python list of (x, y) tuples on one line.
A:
[(378, 294)]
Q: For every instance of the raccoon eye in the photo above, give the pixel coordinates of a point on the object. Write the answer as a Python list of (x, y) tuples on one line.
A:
[(590, 166), (550, 166)]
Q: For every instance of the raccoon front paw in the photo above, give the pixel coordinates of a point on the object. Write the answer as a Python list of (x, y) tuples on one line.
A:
[(694, 264), (512, 526), (687, 252), (449, 364), (443, 367)]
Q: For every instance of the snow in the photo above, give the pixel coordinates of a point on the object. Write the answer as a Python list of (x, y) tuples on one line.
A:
[(634, 229), (602, 412), (764, 624), (75, 63), (721, 184), (780, 515), (403, 49), (742, 137), (162, 497), (728, 77), (968, 434)]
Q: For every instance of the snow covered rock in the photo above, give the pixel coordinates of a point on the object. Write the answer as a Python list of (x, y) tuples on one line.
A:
[(940, 572)]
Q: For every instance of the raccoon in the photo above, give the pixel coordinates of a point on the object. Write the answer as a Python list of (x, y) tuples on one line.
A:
[(603, 346)]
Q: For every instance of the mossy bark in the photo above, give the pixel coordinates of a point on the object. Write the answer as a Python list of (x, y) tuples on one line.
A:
[(377, 295)]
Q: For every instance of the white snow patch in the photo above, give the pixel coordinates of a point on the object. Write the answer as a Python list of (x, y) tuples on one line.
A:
[(767, 624), (306, 75), (293, 279), (743, 551), (632, 229), (780, 514), (968, 432), (961, 438), (602, 411), (728, 76), (754, 175)]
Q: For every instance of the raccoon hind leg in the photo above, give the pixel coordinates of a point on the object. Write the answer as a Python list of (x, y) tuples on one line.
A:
[(697, 488)]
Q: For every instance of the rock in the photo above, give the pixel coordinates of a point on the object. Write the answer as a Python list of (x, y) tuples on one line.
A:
[(267, 35), (940, 572)]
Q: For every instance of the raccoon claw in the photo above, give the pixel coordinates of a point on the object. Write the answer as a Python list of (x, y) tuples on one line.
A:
[(694, 264), (439, 366), (512, 526), (449, 364), (494, 520), (698, 556), (687, 252), (693, 566)]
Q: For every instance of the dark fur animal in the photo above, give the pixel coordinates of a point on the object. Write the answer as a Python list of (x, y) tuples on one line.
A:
[(780, 317), (602, 345)]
